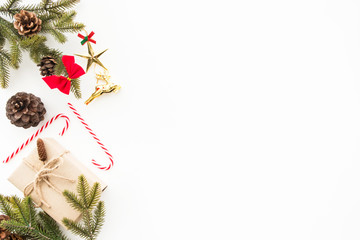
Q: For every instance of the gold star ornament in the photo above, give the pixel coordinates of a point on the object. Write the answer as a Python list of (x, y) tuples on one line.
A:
[(92, 58)]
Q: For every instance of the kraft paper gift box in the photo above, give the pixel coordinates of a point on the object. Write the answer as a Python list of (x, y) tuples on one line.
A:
[(66, 166)]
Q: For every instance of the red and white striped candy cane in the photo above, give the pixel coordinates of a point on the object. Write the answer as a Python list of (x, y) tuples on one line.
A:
[(111, 164), (38, 132)]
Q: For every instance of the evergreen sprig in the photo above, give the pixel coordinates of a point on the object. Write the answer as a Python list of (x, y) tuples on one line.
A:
[(57, 19), (26, 221), (87, 201)]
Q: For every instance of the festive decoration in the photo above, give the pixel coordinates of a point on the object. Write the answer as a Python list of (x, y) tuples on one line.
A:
[(45, 183), (62, 83), (26, 221), (48, 123), (22, 219), (54, 17), (92, 58), (25, 110), (92, 133), (87, 38), (107, 86), (50, 177), (5, 234), (41, 150), (87, 202), (100, 89), (47, 66), (27, 23)]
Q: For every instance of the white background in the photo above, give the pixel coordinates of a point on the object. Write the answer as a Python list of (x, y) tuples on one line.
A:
[(236, 119)]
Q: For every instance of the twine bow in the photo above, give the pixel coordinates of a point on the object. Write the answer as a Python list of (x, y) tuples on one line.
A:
[(87, 38), (43, 175)]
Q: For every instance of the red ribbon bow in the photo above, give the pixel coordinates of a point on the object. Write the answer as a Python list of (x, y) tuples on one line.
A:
[(87, 38), (64, 83)]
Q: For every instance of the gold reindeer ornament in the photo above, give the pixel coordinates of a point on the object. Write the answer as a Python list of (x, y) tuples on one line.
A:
[(107, 87)]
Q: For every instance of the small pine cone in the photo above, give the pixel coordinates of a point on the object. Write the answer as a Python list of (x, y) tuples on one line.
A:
[(3, 232), (25, 110), (41, 150), (47, 66), (27, 23)]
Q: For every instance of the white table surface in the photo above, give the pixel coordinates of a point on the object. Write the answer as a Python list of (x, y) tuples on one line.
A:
[(236, 119)]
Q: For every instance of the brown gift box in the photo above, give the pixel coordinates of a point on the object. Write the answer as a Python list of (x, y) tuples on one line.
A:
[(70, 168)]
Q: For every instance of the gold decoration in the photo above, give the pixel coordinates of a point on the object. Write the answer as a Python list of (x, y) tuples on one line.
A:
[(108, 87), (92, 58)]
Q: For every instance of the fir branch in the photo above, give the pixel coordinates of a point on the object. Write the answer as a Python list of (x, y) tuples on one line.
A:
[(15, 54), (32, 42), (76, 228), (62, 5), (87, 220), (51, 226), (94, 195), (60, 68), (57, 19), (73, 200), (85, 201), (7, 8), (29, 208), (16, 227), (69, 27), (7, 30), (26, 221), (2, 41), (63, 27), (11, 3), (5, 207), (49, 6), (67, 17), (58, 35), (83, 191), (45, 3), (47, 17), (75, 87), (38, 51), (4, 72), (99, 216), (19, 209)]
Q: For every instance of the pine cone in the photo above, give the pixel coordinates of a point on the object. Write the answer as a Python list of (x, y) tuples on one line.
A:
[(41, 150), (6, 235), (27, 23), (25, 110), (47, 66)]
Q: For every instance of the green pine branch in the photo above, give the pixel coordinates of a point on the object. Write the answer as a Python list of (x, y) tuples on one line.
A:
[(57, 19), (87, 201), (26, 221), (75, 87), (4, 69), (57, 7), (15, 54)]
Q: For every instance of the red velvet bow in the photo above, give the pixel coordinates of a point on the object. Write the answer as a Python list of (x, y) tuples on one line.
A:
[(62, 83)]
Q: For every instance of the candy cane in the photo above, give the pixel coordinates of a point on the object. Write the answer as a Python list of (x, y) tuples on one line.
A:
[(38, 132), (111, 164)]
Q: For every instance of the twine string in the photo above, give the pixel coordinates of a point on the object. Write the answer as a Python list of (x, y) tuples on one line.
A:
[(43, 175)]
